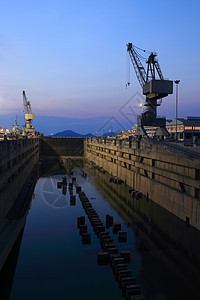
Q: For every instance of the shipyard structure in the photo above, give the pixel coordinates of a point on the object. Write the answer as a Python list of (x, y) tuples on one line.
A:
[(161, 173), (18, 173), (158, 171), (167, 174)]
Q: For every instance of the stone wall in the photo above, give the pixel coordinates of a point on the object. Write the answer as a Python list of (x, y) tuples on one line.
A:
[(163, 228), (169, 179), (55, 147), (17, 160)]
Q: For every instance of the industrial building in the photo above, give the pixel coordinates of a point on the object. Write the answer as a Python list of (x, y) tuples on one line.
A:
[(188, 130)]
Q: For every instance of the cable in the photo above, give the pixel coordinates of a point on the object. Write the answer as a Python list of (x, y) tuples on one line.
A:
[(128, 70), (140, 56), (142, 49)]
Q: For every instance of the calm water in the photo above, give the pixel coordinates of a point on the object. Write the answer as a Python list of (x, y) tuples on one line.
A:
[(53, 263)]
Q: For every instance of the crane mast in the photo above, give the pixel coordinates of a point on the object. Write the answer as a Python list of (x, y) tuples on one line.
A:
[(154, 87), (152, 67)]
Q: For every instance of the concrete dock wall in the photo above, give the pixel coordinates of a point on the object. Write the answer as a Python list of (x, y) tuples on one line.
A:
[(169, 179), (17, 160), (169, 232), (56, 147)]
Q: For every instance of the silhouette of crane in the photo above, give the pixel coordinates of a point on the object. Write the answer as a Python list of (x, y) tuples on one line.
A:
[(28, 130), (154, 87)]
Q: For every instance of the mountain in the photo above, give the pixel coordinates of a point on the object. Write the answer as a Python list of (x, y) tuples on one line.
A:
[(70, 133), (109, 133), (89, 135)]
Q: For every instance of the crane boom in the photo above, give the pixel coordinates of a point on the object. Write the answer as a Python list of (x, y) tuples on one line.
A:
[(28, 129), (27, 104), (153, 66), (138, 67)]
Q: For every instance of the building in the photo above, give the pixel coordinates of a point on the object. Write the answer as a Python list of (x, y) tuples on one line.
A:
[(188, 128), (3, 131)]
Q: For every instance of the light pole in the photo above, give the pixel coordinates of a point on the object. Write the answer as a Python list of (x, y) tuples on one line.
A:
[(177, 83), (142, 105)]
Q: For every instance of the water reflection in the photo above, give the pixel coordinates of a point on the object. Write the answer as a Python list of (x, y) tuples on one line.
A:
[(53, 262), (11, 233), (166, 273), (8, 270)]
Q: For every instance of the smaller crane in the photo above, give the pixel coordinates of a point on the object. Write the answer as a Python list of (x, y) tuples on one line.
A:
[(29, 116)]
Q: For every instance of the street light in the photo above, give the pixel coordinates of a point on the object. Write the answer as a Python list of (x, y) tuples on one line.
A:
[(177, 83), (142, 105)]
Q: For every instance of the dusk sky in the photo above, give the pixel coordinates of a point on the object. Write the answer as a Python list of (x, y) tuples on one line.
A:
[(70, 57)]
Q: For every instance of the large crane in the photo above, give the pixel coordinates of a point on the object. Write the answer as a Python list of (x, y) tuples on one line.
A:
[(29, 116), (154, 87)]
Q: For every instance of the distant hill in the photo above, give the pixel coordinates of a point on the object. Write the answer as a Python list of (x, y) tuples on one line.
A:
[(70, 133), (109, 133)]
